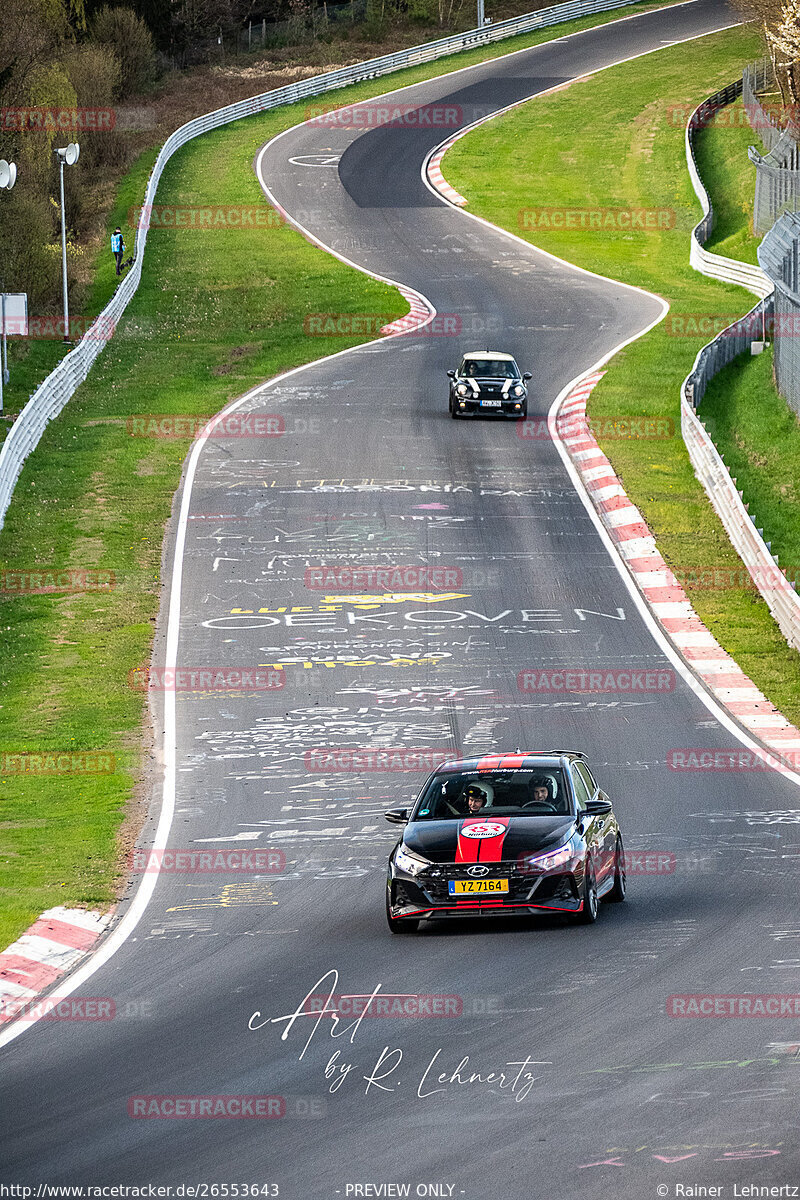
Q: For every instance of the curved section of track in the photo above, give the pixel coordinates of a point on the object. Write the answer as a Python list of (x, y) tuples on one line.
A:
[(551, 1065)]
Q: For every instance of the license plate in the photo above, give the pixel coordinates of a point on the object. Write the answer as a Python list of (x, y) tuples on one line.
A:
[(460, 887), (491, 403)]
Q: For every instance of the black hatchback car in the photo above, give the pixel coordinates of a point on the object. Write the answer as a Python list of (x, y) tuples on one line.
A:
[(506, 835), (488, 381)]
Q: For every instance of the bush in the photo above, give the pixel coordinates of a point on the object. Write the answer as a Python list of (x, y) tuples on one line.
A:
[(95, 73), (121, 31)]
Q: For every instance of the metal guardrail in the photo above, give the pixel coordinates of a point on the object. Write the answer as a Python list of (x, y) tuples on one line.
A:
[(716, 266), (55, 391), (779, 594)]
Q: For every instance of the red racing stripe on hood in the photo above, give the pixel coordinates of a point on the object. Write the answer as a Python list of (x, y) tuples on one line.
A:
[(480, 839)]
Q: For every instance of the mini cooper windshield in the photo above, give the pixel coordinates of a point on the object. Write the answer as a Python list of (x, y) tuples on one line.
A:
[(500, 793), (490, 368)]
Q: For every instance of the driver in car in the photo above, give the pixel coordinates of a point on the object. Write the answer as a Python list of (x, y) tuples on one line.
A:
[(476, 799), (539, 791)]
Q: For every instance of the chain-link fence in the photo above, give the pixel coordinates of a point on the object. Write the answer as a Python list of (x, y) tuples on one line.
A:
[(779, 255), (321, 20), (777, 171), (758, 78)]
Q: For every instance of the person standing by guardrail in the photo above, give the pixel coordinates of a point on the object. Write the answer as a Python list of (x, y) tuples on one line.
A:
[(118, 247)]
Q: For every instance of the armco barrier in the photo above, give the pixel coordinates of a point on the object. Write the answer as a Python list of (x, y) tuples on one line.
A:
[(716, 266), (780, 596), (51, 396)]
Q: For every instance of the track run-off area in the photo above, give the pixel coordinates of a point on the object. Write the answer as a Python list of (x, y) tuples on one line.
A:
[(541, 1059)]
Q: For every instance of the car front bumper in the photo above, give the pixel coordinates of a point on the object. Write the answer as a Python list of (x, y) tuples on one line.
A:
[(471, 404), (424, 898)]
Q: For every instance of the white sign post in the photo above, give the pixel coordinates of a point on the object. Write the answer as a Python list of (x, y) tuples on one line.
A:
[(14, 321)]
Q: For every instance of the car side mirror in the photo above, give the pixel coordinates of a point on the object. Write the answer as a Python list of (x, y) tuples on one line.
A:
[(528, 375), (597, 808), (451, 374), (399, 816)]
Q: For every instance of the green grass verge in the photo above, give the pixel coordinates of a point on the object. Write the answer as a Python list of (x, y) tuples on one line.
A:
[(214, 315), (730, 179), (758, 435), (555, 156)]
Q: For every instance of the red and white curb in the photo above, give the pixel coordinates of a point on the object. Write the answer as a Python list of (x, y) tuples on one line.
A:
[(52, 946), (434, 172), (665, 597), (418, 315)]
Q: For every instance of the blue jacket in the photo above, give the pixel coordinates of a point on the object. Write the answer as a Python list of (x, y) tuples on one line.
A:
[(117, 243)]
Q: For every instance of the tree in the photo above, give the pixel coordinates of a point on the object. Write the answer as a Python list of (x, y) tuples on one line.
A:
[(127, 36), (783, 40), (780, 24)]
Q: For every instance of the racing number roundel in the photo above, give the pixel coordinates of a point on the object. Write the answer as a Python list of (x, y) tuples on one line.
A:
[(483, 829)]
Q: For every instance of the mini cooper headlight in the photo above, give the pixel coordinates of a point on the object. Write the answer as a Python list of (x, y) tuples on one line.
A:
[(518, 390), (553, 859), (462, 389), (412, 864)]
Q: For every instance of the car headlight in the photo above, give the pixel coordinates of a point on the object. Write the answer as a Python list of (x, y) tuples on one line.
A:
[(412, 864), (518, 390), (462, 389), (553, 858)]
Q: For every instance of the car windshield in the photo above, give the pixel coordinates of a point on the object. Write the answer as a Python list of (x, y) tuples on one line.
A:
[(496, 367), (538, 793)]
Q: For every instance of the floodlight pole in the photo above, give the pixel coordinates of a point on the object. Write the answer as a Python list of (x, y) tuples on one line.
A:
[(5, 346), (481, 18), (64, 252), (9, 178), (69, 155)]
